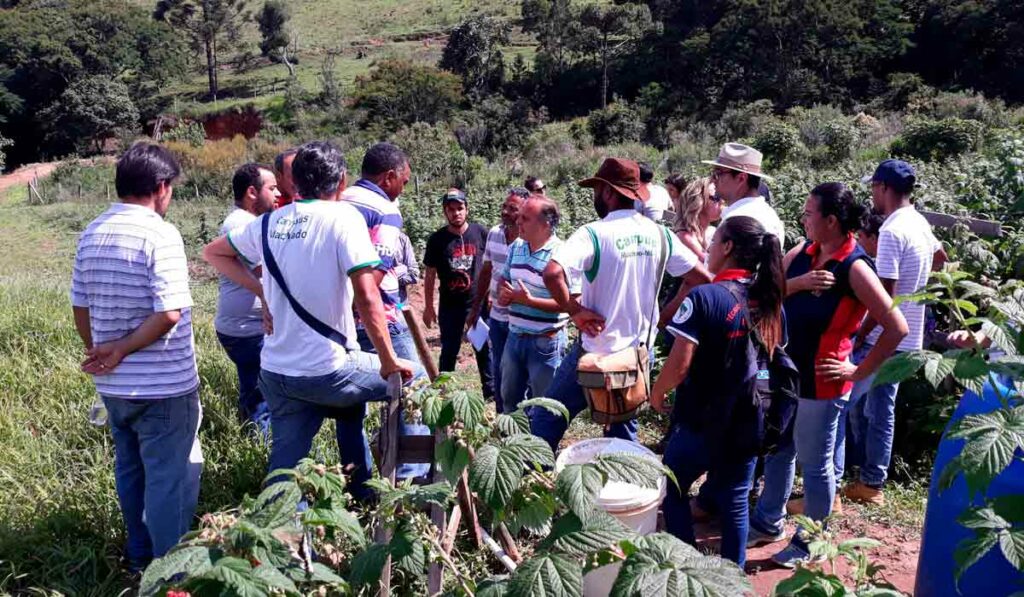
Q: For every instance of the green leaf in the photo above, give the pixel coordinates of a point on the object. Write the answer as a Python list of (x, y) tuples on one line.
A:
[(494, 474), (969, 551), (974, 289), (662, 565), (860, 543), (190, 561), (548, 404), (368, 564), (992, 438), (578, 486), (937, 369), (512, 424), (337, 519), (276, 505), (632, 468), (1011, 542), (967, 306), (469, 408), (530, 449), (547, 575), (970, 365), (982, 518), (596, 534), (1001, 337), (323, 574), (408, 550), (438, 412), (237, 576), (273, 577), (496, 586), (421, 496), (532, 510), (452, 459), (900, 367)]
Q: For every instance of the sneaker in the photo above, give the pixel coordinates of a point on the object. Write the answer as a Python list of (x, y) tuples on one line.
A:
[(864, 494), (698, 514), (793, 555), (796, 506), (756, 537)]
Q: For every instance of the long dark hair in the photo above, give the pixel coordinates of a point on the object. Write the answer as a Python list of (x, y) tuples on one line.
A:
[(836, 199), (760, 252)]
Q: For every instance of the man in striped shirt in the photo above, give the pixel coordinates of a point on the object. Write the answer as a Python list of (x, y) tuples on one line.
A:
[(132, 309), (536, 340)]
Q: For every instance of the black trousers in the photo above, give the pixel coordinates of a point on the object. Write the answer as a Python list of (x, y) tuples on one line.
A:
[(451, 318)]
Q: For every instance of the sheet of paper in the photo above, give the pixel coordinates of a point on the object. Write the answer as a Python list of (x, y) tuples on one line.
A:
[(478, 334)]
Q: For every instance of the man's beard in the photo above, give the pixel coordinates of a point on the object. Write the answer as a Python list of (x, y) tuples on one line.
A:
[(599, 206)]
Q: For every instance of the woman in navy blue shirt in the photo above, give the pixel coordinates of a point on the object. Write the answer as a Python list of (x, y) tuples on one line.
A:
[(831, 284), (711, 328)]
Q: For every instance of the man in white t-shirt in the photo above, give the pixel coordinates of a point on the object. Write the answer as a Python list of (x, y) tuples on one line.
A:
[(737, 176), (907, 253), (239, 320), (617, 259), (312, 367), (658, 200)]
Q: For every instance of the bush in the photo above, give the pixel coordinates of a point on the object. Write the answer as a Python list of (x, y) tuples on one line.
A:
[(743, 120), (90, 111), (4, 142), (498, 125), (936, 140), (399, 92), (779, 142), (192, 133), (618, 123), (970, 106), (208, 168)]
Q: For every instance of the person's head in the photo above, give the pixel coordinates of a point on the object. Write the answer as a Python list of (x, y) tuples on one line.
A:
[(456, 209), (741, 242), (697, 203), (616, 186), (736, 172), (283, 172), (146, 174), (513, 204), (646, 172), (891, 185), (534, 185), (319, 171), (675, 184), (832, 213), (538, 219), (386, 166), (868, 235), (255, 188)]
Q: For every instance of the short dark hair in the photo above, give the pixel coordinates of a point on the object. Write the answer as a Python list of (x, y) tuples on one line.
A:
[(520, 192), (531, 184), (873, 223), (281, 157), (247, 175), (677, 180), (318, 169), (753, 181), (382, 157), (549, 211), (142, 169), (646, 172)]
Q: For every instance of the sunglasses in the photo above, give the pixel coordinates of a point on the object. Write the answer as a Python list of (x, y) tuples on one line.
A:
[(720, 172)]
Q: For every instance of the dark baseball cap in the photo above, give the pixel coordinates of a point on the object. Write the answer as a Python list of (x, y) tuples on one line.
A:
[(622, 175), (453, 195), (895, 173)]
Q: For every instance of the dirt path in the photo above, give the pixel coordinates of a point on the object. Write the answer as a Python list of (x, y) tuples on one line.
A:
[(23, 175)]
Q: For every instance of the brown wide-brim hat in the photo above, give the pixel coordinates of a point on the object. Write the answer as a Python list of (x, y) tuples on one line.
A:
[(622, 175)]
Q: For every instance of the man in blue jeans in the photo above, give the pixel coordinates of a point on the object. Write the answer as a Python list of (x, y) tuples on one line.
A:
[(132, 309), (616, 260), (312, 365)]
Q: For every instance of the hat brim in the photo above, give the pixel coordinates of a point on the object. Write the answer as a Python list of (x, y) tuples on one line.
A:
[(735, 169), (640, 194)]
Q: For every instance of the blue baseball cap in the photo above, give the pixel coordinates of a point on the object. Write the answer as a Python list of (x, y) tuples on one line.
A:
[(895, 173), (453, 195)]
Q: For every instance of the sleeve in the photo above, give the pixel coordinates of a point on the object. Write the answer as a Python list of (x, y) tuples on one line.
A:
[(579, 255), (680, 258), (430, 256), (890, 251), (388, 243), (691, 320), (79, 296), (355, 251), (168, 273), (247, 241), (488, 254)]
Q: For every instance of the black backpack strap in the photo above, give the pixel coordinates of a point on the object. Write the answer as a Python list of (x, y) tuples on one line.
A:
[(275, 272)]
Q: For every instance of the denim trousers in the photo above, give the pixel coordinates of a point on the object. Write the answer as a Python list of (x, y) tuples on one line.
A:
[(245, 354), (529, 362), (497, 336), (689, 456), (299, 405), (157, 464), (451, 319), (813, 445), (870, 426), (566, 389)]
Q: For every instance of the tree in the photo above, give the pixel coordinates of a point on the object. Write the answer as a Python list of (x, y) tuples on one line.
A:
[(611, 32), (211, 26), (399, 92), (473, 52), (556, 25), (273, 24), (90, 111)]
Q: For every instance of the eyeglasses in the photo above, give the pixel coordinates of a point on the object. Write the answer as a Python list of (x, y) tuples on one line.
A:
[(720, 172)]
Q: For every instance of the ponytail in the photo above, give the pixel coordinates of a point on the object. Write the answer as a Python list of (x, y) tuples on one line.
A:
[(760, 252)]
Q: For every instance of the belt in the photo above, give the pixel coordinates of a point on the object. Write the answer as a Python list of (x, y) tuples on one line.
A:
[(548, 334)]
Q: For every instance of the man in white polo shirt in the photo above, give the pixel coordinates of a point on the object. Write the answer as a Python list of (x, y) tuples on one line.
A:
[(133, 311), (907, 253), (318, 262), (617, 259), (737, 176)]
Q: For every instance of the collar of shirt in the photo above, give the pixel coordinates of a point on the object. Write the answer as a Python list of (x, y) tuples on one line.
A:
[(366, 184), (742, 202), (547, 244), (894, 215), (727, 275), (140, 210), (841, 253), (620, 214)]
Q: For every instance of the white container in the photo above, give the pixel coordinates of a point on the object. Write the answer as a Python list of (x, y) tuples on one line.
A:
[(635, 506)]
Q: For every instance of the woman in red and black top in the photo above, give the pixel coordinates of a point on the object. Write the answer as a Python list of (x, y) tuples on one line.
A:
[(831, 284)]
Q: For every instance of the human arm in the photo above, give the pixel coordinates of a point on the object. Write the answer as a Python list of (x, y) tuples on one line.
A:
[(483, 288), (103, 358), (870, 324), (676, 368), (429, 313), (82, 325), (521, 294), (813, 281), (587, 321), (371, 313), (223, 257)]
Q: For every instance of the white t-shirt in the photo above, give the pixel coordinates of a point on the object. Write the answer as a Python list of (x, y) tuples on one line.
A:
[(757, 208), (906, 246), (658, 203), (617, 260), (316, 244)]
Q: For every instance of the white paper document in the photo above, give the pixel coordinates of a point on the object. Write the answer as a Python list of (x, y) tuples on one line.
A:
[(478, 334)]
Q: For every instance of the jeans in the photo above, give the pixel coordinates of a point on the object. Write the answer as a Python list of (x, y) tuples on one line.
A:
[(813, 445), (870, 425), (497, 337), (564, 388), (299, 405), (157, 464), (452, 321), (245, 354), (689, 456), (405, 348), (529, 362)]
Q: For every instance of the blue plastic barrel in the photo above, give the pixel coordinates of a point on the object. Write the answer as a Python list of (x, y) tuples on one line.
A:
[(992, 576)]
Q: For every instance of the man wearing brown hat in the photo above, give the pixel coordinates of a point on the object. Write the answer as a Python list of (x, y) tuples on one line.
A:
[(618, 260)]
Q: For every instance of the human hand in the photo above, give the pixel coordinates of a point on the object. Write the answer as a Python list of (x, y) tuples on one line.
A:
[(429, 316), (963, 339), (522, 294), (814, 281), (660, 404), (836, 370), (406, 368), (588, 322), (102, 359), (506, 294), (268, 321)]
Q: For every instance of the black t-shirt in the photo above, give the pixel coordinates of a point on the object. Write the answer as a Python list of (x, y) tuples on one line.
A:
[(457, 259)]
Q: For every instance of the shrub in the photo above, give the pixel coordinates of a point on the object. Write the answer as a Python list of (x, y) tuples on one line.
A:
[(497, 125), (778, 141), (839, 139), (90, 111), (743, 120), (399, 92), (969, 106), (935, 140), (4, 142), (209, 167), (192, 133), (618, 123)]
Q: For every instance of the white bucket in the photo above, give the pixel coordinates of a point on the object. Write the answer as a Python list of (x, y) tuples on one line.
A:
[(635, 506)]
